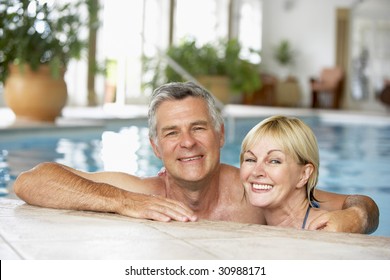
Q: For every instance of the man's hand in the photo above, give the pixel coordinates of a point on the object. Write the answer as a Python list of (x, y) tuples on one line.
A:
[(338, 221), (155, 208), (359, 214)]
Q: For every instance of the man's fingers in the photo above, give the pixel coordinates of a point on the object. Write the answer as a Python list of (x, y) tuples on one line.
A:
[(157, 208), (180, 208), (173, 209), (324, 222), (318, 223)]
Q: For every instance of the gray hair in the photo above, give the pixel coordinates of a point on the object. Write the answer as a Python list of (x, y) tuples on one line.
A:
[(179, 91)]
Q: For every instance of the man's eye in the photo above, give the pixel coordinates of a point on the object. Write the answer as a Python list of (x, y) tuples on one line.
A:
[(199, 128), (171, 133)]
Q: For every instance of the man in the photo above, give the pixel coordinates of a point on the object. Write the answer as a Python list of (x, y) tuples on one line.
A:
[(186, 132)]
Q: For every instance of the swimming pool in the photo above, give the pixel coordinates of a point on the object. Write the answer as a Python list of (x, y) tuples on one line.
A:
[(355, 157)]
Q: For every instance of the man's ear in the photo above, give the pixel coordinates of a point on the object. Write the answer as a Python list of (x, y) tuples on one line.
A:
[(222, 136), (155, 148)]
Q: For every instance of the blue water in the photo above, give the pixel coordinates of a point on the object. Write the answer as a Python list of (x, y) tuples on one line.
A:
[(355, 158)]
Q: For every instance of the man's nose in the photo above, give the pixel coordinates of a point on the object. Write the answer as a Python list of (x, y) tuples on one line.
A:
[(187, 140)]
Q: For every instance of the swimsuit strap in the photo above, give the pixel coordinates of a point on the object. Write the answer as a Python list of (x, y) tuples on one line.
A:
[(306, 215), (315, 205)]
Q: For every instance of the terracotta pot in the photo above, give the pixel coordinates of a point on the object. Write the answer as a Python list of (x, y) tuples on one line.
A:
[(35, 95), (219, 86)]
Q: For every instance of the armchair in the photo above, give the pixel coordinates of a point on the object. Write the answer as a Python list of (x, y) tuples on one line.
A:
[(384, 95), (327, 90)]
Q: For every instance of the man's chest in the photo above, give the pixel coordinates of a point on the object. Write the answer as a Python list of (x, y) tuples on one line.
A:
[(240, 212)]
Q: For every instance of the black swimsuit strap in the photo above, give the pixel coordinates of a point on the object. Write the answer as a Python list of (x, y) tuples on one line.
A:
[(316, 205), (306, 215)]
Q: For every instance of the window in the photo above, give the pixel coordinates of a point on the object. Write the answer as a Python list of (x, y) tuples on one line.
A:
[(203, 20), (131, 28)]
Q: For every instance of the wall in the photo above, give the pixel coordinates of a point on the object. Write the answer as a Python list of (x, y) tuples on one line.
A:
[(370, 53), (310, 27)]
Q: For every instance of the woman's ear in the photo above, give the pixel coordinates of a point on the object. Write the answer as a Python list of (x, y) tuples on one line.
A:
[(307, 170)]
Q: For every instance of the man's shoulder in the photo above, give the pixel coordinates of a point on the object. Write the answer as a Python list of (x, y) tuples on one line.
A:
[(146, 185), (229, 168), (230, 177), (231, 173)]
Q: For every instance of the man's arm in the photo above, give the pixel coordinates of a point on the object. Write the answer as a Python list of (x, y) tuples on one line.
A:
[(348, 213), (367, 210), (57, 186)]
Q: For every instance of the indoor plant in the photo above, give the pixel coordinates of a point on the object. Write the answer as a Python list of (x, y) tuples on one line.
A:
[(38, 37), (220, 62), (284, 55)]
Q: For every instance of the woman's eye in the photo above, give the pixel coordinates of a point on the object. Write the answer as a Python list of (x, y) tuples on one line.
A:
[(249, 160), (275, 161)]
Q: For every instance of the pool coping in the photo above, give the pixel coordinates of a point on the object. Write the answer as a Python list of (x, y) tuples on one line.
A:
[(99, 116), (33, 233)]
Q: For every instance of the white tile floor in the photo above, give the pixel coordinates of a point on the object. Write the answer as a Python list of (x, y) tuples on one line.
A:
[(33, 233)]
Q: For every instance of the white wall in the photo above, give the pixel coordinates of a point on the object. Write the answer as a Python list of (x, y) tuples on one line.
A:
[(310, 26)]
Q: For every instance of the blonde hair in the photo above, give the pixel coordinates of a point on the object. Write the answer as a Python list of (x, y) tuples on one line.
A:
[(295, 137)]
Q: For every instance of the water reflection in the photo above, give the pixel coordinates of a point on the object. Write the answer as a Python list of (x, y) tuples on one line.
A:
[(354, 158), (119, 150), (4, 173), (83, 154)]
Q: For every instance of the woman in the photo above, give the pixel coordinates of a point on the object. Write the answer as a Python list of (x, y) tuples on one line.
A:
[(279, 170)]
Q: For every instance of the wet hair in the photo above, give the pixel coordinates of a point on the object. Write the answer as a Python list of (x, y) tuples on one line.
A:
[(295, 137), (180, 91)]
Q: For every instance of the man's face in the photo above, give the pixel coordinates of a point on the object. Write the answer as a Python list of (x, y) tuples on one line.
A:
[(187, 142)]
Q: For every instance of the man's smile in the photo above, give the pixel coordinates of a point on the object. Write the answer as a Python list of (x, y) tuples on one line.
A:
[(187, 159)]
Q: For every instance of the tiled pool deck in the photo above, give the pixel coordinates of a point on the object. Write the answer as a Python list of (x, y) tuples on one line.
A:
[(33, 233)]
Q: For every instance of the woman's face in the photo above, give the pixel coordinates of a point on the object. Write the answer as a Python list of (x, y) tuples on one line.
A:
[(270, 176)]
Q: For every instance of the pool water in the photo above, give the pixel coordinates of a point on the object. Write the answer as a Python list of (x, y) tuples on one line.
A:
[(355, 158)]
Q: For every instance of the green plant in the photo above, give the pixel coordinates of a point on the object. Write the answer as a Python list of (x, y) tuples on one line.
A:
[(34, 32), (284, 54), (221, 58)]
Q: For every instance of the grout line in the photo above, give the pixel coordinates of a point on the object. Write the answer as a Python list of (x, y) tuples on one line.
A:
[(185, 241), (20, 255)]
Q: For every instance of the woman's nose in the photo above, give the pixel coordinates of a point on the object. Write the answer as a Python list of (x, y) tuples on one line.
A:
[(258, 169)]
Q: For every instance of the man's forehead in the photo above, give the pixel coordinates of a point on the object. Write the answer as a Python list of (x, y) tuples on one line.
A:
[(187, 105), (189, 110)]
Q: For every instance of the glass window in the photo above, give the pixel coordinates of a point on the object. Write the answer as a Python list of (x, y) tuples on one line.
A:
[(133, 28), (203, 20), (249, 26)]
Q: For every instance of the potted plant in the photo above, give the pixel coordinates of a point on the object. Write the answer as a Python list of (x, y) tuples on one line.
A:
[(37, 41), (284, 56), (217, 66)]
